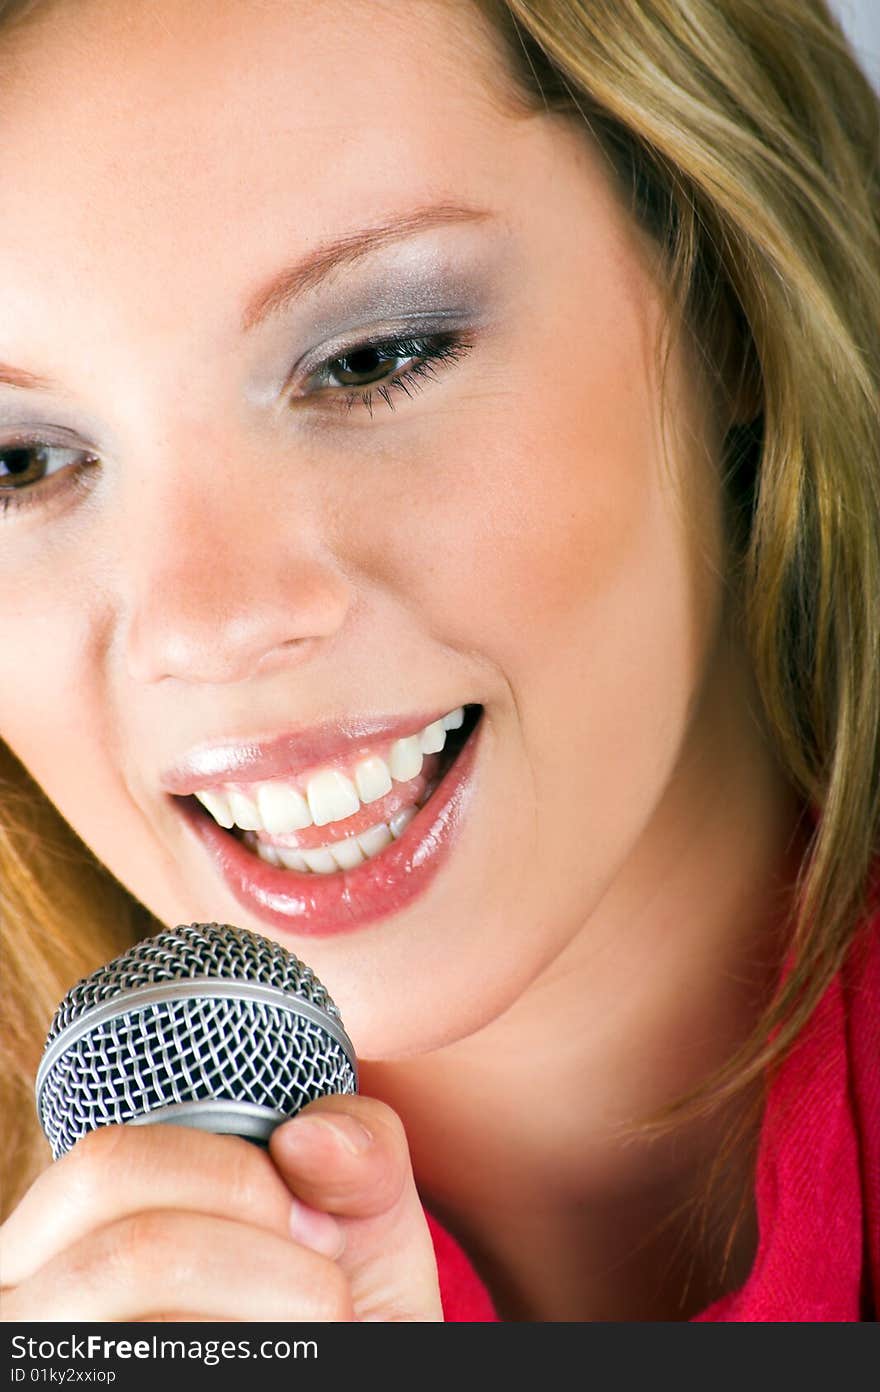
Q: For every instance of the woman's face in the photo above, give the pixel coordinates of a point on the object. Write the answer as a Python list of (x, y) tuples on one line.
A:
[(234, 564)]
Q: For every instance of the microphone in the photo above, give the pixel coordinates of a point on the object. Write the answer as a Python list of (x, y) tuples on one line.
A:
[(205, 1025)]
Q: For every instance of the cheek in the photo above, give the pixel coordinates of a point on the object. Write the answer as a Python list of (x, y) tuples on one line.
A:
[(533, 527), (42, 681), (55, 710), (545, 537)]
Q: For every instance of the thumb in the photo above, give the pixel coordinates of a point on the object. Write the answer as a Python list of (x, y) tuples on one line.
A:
[(348, 1156)]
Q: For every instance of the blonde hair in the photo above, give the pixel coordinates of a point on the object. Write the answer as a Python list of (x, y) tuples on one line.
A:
[(747, 141)]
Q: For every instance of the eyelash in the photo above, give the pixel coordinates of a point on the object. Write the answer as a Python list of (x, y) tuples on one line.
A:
[(427, 353)]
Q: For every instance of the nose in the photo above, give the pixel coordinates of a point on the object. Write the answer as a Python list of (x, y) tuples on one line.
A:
[(223, 582)]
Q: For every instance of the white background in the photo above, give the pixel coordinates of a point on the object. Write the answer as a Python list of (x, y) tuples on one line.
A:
[(860, 20)]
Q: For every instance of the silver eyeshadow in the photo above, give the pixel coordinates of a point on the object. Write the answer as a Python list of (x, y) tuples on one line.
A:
[(410, 287)]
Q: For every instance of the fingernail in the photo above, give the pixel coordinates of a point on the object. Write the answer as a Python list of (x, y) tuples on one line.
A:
[(316, 1230), (346, 1130)]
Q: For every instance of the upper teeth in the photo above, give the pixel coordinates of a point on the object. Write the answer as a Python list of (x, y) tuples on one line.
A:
[(280, 807)]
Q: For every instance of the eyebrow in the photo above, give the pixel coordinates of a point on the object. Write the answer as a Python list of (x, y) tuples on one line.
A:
[(323, 260), (307, 273), (26, 381)]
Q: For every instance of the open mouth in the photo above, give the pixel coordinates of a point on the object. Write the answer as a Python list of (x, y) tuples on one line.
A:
[(344, 815)]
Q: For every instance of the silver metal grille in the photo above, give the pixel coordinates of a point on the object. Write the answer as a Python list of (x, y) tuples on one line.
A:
[(214, 950), (203, 1021)]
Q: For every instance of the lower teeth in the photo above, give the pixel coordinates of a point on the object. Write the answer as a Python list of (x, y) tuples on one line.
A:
[(339, 855)]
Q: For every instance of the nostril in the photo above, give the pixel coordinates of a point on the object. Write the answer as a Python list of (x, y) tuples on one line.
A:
[(210, 622)]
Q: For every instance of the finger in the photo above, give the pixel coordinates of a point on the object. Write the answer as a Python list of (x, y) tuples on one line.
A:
[(348, 1156), (120, 1170), (151, 1263)]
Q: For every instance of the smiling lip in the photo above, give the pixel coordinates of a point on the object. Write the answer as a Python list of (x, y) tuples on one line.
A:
[(253, 761), (322, 905)]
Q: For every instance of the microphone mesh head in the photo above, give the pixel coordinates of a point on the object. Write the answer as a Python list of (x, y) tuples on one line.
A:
[(202, 1014)]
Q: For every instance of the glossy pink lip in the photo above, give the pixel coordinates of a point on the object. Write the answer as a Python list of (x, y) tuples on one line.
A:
[(323, 905), (288, 754)]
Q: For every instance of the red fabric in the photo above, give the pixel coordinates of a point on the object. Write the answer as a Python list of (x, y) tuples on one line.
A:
[(817, 1186), (465, 1298), (818, 1174)]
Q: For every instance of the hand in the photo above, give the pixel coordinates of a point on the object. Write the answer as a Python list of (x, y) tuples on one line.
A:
[(164, 1222)]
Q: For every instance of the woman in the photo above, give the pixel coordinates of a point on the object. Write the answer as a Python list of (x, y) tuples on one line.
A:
[(442, 532)]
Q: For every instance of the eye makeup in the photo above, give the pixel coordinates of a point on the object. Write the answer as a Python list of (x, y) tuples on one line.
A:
[(422, 302), (413, 290)]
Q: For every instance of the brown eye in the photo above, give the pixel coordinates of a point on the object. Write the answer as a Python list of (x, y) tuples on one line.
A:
[(21, 465), (36, 472), (385, 366), (364, 366)]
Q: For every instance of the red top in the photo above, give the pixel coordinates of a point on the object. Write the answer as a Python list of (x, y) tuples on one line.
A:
[(817, 1185)]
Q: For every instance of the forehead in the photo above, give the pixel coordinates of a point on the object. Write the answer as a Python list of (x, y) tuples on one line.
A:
[(205, 122), (211, 84)]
